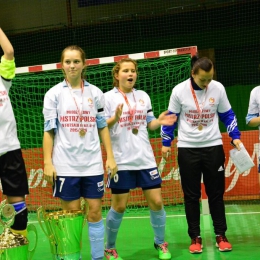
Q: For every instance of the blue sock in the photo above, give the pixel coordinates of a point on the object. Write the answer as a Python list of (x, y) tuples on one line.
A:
[(96, 232), (113, 222), (158, 220)]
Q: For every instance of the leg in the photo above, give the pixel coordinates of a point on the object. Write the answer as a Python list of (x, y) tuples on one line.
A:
[(190, 172), (157, 213), (21, 217), (15, 187), (115, 216), (214, 180), (96, 229)]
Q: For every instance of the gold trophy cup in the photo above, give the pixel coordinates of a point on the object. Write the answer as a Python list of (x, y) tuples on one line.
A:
[(64, 231), (14, 246)]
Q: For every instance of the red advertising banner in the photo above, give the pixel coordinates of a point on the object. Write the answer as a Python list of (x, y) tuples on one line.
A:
[(238, 186)]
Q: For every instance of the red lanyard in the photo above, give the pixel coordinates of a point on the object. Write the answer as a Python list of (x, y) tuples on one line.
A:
[(80, 112), (131, 110), (199, 109)]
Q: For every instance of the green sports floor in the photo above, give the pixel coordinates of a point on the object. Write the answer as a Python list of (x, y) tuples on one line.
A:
[(135, 238)]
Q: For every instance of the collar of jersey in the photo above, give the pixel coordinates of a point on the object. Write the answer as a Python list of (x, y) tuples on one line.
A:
[(194, 85), (86, 84), (116, 90)]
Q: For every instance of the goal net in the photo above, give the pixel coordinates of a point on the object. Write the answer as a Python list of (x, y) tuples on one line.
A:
[(159, 72)]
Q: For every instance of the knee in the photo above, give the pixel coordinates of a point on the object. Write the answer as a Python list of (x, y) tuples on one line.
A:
[(119, 208), (156, 204), (94, 215)]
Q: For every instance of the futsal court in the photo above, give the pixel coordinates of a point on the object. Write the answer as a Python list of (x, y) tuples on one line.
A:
[(162, 36)]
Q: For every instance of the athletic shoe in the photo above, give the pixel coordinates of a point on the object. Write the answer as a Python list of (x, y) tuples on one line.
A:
[(164, 253), (112, 254), (196, 245), (223, 244)]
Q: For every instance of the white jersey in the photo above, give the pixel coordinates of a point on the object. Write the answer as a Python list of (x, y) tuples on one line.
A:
[(74, 155), (131, 151), (254, 105), (8, 130), (212, 100)]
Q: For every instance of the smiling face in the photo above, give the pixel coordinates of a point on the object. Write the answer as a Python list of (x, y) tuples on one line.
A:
[(72, 64), (202, 78), (126, 76)]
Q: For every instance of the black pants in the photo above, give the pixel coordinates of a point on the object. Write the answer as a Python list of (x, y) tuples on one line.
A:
[(209, 161)]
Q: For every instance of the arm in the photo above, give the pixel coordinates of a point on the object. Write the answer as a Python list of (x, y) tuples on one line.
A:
[(252, 118), (6, 46), (230, 121), (110, 163), (254, 122), (166, 118), (49, 170), (114, 119), (167, 134)]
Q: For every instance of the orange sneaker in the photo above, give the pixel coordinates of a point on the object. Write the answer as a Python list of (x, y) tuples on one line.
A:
[(196, 245), (223, 244)]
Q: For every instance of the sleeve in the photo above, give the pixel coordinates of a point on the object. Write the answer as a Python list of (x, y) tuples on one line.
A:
[(50, 124), (7, 68), (230, 121), (50, 106), (167, 132), (150, 115), (100, 106), (253, 108), (107, 106)]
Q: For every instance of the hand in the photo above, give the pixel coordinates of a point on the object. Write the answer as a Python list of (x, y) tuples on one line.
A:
[(50, 173), (166, 151), (237, 143), (167, 119), (118, 112), (111, 167)]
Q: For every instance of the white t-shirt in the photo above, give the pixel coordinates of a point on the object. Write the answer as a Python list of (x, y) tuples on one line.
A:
[(254, 105), (182, 101), (8, 130), (131, 152), (74, 155)]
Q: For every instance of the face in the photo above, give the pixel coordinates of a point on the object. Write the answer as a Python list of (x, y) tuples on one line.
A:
[(203, 78), (72, 64), (126, 76)]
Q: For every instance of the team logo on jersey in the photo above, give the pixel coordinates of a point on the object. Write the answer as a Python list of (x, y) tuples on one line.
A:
[(141, 102), (211, 100), (90, 102)]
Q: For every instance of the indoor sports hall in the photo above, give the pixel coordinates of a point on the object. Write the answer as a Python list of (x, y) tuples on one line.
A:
[(162, 36)]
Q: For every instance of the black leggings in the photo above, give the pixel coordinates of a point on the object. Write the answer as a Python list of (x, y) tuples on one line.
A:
[(209, 162)]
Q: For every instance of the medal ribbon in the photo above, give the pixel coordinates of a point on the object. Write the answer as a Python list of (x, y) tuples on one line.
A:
[(199, 109), (131, 110), (80, 112)]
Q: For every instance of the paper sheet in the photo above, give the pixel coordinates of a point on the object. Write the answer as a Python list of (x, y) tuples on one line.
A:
[(241, 159)]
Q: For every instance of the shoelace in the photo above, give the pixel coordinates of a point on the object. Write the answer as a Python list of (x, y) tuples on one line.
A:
[(112, 252), (164, 247)]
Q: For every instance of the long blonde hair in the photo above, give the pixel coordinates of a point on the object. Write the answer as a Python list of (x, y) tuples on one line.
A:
[(117, 67)]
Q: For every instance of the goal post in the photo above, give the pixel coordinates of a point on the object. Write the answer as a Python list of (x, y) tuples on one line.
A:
[(159, 72)]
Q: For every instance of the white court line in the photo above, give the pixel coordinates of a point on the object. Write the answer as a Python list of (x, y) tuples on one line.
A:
[(175, 216)]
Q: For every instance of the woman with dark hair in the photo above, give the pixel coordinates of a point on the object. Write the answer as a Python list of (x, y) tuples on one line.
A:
[(199, 102)]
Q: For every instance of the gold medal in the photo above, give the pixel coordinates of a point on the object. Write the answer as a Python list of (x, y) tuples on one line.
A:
[(200, 127), (82, 132), (8, 211), (135, 131)]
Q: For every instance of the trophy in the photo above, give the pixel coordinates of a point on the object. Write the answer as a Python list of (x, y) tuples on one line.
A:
[(14, 246), (64, 231)]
